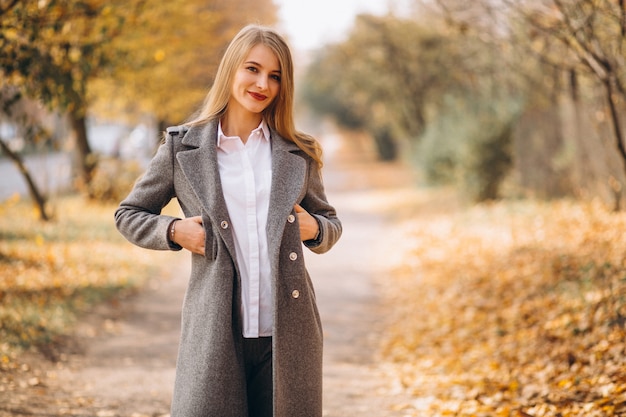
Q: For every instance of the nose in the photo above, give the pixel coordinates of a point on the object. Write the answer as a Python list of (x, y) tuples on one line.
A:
[(262, 82)]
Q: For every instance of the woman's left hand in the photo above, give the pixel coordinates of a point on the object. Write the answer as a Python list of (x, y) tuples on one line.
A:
[(308, 225)]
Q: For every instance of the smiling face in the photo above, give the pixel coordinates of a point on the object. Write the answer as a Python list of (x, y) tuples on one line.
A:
[(256, 82)]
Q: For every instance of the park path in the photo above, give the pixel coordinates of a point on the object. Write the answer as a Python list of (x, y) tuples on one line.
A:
[(126, 367)]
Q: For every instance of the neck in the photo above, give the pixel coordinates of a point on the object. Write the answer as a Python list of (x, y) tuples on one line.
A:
[(240, 123)]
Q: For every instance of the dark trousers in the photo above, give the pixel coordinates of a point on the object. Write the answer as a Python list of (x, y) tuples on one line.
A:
[(257, 353)]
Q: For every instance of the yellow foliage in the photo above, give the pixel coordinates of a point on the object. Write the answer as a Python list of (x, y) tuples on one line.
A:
[(159, 55), (513, 309), (51, 271), (182, 57)]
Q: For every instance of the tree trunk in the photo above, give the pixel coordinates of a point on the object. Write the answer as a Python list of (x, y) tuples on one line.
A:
[(617, 129), (87, 160), (386, 146), (33, 190)]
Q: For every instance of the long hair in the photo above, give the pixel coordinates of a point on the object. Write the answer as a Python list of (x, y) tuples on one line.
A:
[(279, 114)]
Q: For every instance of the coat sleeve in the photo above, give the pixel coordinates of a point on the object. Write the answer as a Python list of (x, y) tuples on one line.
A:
[(316, 203), (138, 217)]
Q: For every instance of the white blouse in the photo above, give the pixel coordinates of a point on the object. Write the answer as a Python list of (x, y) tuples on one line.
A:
[(246, 176)]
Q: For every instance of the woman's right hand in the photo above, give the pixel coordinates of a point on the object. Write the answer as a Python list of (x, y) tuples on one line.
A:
[(189, 233)]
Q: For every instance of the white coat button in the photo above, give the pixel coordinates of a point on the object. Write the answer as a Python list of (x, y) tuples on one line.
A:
[(224, 224), (293, 256), (295, 293), (291, 218)]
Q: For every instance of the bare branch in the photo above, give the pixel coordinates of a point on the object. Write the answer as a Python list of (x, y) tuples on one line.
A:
[(595, 60), (622, 23)]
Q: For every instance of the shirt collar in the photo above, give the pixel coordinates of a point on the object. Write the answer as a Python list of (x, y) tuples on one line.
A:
[(262, 129)]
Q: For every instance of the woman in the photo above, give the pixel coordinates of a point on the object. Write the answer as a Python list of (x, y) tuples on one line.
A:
[(251, 190)]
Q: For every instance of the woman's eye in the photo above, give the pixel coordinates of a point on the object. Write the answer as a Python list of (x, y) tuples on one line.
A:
[(252, 69), (276, 77)]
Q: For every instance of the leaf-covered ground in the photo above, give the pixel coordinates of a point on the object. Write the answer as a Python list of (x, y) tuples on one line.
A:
[(510, 309), (53, 273)]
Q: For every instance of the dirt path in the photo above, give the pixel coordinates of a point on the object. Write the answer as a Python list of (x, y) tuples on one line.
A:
[(349, 280), (126, 366)]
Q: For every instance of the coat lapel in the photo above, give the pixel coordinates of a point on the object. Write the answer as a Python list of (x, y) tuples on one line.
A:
[(199, 164), (288, 176)]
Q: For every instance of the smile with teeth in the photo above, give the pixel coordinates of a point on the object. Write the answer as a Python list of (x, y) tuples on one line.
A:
[(257, 96)]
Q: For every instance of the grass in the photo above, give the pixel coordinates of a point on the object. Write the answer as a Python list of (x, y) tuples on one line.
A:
[(51, 273)]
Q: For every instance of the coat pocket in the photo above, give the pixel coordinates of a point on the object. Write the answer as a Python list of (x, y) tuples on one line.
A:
[(210, 242)]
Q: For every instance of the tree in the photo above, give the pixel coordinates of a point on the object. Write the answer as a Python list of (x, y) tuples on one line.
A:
[(170, 54), (52, 49), (154, 56), (11, 104), (383, 77), (593, 34), (570, 55)]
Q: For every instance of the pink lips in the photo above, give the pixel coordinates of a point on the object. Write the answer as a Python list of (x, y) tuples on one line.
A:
[(257, 96)]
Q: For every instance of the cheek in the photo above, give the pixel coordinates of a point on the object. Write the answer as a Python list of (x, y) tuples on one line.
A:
[(275, 89), (241, 80)]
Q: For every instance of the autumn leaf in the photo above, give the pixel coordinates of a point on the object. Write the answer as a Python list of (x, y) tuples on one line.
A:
[(512, 309)]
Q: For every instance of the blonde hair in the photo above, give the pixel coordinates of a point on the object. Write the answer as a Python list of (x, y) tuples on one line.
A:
[(279, 114)]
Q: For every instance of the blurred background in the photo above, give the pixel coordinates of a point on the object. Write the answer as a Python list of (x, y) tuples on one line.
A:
[(506, 118), (501, 98)]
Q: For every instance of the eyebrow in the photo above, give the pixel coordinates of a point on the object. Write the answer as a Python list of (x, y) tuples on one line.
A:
[(259, 65)]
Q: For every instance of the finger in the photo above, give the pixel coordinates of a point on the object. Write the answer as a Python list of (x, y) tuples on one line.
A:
[(299, 208), (197, 219)]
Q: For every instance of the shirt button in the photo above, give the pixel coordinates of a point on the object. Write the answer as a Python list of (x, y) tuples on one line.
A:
[(291, 218), (293, 256), (224, 224), (295, 293)]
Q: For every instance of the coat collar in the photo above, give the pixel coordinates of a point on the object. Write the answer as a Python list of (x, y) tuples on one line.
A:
[(206, 134)]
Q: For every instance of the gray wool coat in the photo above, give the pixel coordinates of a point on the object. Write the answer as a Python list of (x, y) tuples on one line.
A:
[(209, 373)]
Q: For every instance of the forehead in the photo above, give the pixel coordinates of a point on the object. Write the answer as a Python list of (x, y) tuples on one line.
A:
[(261, 54)]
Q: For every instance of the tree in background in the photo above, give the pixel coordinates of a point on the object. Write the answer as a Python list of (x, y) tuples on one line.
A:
[(585, 41), (537, 85), (12, 104), (569, 56), (402, 81), (381, 79), (169, 54), (52, 49), (134, 56)]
